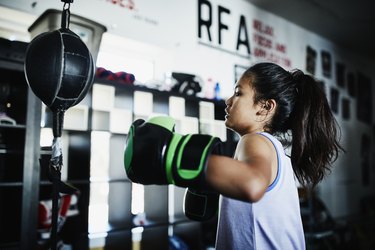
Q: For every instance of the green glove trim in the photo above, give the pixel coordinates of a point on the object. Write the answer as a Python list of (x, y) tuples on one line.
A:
[(163, 121), (170, 155), (128, 156)]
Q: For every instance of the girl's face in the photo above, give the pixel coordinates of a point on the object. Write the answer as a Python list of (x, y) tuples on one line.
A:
[(242, 114)]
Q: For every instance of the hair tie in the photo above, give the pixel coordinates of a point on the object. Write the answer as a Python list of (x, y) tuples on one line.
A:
[(297, 76)]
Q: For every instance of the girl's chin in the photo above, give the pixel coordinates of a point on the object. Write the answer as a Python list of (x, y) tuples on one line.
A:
[(227, 122)]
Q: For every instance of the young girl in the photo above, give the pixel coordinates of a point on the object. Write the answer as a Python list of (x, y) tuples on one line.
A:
[(259, 206)]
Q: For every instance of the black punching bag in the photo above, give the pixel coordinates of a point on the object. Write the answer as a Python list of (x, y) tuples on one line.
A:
[(59, 67)]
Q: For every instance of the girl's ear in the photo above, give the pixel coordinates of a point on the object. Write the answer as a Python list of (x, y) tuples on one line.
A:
[(268, 107)]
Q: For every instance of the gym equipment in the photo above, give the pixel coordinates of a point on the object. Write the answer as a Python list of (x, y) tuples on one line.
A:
[(187, 84), (200, 205), (59, 69), (154, 154), (121, 76)]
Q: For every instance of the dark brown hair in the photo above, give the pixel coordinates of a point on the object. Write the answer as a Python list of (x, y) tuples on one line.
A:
[(302, 109)]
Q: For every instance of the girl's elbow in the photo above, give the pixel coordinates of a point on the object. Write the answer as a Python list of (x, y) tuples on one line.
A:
[(253, 192)]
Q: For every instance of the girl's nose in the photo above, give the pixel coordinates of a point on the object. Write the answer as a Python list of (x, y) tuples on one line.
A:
[(228, 101)]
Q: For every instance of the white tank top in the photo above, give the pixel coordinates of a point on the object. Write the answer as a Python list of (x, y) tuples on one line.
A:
[(274, 222)]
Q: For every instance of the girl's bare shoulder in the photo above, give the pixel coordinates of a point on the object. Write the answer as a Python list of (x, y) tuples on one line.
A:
[(254, 143)]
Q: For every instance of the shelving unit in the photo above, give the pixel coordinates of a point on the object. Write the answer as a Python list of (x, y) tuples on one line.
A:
[(18, 151), (162, 204)]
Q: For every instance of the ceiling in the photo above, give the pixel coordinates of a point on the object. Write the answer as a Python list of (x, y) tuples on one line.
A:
[(348, 23)]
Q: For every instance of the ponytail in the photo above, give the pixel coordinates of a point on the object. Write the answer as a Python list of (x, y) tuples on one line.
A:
[(314, 131), (303, 109)]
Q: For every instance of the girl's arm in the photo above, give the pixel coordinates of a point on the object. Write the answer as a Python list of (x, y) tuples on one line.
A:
[(248, 175)]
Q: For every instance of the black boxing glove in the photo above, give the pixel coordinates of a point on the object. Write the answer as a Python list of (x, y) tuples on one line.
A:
[(200, 205), (154, 154)]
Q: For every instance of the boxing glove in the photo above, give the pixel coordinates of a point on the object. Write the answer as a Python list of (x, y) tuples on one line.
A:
[(154, 154), (200, 205)]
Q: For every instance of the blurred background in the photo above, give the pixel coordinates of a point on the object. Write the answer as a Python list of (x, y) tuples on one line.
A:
[(179, 58)]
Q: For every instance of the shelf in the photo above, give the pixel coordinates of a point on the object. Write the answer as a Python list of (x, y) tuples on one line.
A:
[(11, 184), (111, 228), (47, 182), (101, 180), (11, 65), (74, 182), (21, 126), (10, 151), (46, 152), (106, 130), (68, 130), (156, 91)]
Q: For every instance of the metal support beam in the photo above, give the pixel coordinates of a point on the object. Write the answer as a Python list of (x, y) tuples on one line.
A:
[(31, 173)]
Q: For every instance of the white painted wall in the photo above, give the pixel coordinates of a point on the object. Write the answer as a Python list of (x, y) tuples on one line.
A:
[(165, 33)]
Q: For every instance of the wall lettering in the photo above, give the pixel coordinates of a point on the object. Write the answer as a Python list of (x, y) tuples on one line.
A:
[(207, 23), (204, 23), (224, 29), (222, 26), (266, 46), (127, 4), (242, 30)]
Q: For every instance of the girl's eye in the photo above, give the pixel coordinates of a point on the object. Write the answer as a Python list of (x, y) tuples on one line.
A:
[(236, 91)]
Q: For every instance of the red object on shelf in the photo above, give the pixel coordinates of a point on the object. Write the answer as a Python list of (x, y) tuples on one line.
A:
[(121, 76)]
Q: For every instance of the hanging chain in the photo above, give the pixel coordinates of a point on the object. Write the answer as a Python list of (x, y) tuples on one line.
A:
[(66, 6), (65, 18), (67, 1)]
